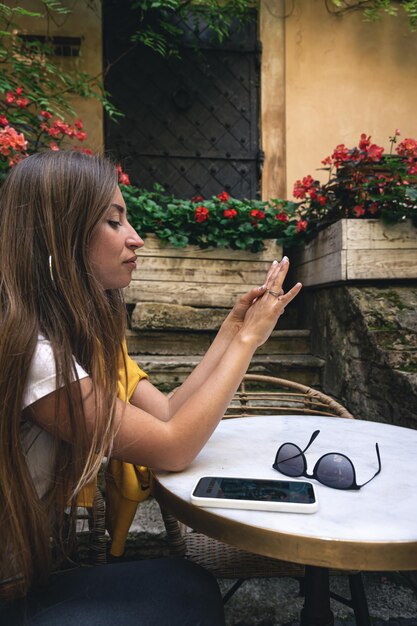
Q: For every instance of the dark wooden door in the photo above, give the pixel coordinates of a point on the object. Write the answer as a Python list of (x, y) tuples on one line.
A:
[(191, 124)]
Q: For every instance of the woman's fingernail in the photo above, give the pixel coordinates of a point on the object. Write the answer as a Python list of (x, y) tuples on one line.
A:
[(274, 262), (285, 259), (261, 287)]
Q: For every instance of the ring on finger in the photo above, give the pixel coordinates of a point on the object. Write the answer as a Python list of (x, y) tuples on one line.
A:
[(276, 294)]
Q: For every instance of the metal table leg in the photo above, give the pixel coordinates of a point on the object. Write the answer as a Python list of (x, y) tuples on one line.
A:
[(316, 610)]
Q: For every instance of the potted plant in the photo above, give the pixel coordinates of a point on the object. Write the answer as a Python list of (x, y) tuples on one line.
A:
[(366, 210), (202, 252)]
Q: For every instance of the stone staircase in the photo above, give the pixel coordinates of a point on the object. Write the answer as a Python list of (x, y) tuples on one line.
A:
[(168, 341)]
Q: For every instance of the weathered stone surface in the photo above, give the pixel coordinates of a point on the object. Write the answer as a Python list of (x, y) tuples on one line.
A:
[(156, 316), (365, 334)]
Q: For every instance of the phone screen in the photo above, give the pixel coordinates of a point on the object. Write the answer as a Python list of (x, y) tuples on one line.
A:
[(255, 489)]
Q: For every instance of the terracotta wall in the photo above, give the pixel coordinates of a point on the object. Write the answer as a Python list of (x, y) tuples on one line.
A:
[(344, 76)]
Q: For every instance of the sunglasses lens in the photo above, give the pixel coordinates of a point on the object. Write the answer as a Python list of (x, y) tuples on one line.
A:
[(335, 470), (290, 460)]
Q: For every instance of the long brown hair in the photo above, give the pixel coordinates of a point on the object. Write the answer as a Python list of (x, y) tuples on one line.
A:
[(50, 205)]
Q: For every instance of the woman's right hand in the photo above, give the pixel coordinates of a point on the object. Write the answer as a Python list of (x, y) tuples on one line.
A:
[(262, 316)]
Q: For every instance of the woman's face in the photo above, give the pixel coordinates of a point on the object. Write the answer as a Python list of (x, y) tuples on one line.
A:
[(113, 245)]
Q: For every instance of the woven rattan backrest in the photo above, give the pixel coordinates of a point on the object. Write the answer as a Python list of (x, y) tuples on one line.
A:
[(266, 395)]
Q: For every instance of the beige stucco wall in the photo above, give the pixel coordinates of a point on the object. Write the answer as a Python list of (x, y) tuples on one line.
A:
[(325, 80), (344, 76), (84, 22)]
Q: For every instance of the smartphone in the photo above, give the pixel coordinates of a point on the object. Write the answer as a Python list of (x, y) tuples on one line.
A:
[(262, 494)]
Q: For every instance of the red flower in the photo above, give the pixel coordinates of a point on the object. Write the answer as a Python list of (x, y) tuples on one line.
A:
[(197, 199), (358, 210), (10, 140), (201, 214), (10, 97), (78, 124), (223, 196), (3, 120), (230, 213), (257, 214), (46, 115), (19, 91), (54, 146), (327, 161), (364, 142), (373, 208), (321, 200), (375, 152), (81, 135), (123, 177), (407, 148), (340, 154), (282, 217), (301, 226), (22, 102), (301, 187)]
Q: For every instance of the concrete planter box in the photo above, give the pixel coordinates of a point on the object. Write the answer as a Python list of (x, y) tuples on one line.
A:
[(352, 250), (195, 277)]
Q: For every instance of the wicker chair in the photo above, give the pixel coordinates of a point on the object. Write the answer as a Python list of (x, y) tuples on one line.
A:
[(278, 396)]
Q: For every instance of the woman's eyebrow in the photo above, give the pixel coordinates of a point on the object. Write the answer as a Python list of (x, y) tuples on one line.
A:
[(119, 207)]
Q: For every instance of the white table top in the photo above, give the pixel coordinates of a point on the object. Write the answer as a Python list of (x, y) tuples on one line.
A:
[(375, 527)]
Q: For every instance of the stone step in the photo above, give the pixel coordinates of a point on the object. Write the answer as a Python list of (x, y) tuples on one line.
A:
[(181, 343), (167, 372)]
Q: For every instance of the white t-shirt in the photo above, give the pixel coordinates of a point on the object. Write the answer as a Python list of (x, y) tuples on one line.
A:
[(38, 444)]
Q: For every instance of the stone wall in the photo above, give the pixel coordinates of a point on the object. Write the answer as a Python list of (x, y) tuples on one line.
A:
[(368, 337)]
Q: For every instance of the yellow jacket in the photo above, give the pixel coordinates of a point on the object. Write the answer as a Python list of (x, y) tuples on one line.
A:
[(126, 484)]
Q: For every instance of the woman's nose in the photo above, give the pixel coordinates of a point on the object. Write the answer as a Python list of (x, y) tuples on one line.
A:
[(134, 241)]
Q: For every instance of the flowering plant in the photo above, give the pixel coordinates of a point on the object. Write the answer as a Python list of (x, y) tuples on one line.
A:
[(363, 182), (219, 221)]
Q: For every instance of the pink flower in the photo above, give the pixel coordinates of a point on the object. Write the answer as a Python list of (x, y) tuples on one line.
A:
[(201, 214), (3, 120), (10, 97), (358, 210), (78, 124), (54, 146), (46, 115)]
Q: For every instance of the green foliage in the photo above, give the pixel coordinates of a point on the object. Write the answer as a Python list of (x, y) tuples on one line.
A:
[(363, 182), (219, 221), (159, 21), (374, 9), (32, 66)]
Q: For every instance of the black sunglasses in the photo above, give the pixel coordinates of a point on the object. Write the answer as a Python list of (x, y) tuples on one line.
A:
[(332, 469)]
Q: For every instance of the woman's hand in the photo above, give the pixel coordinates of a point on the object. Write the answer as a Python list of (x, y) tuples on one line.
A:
[(262, 314)]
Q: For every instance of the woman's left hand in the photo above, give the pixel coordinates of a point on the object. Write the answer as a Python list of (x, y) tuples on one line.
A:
[(243, 304)]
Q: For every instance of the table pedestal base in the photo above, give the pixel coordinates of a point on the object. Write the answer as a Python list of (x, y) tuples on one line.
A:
[(316, 611)]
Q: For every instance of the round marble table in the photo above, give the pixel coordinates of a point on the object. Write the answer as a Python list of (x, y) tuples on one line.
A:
[(370, 529)]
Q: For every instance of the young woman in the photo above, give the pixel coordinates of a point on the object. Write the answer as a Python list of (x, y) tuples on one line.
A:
[(67, 250)]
